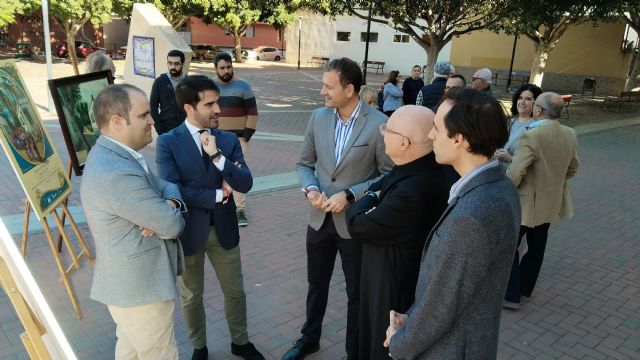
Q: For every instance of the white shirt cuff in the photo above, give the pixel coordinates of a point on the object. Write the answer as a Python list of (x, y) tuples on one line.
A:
[(220, 163), (219, 195)]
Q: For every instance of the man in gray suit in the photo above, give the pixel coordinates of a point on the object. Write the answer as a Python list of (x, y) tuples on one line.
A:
[(342, 154), (134, 217), (467, 257)]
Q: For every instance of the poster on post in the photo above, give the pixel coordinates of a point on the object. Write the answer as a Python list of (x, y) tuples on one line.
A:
[(28, 145), (73, 97), (144, 61)]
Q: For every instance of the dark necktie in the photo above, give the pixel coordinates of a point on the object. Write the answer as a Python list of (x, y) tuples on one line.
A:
[(205, 156)]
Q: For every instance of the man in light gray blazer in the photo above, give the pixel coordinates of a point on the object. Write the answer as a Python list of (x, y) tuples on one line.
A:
[(135, 218), (342, 154), (467, 257)]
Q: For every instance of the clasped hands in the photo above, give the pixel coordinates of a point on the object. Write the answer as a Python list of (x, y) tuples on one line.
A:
[(146, 232), (336, 203)]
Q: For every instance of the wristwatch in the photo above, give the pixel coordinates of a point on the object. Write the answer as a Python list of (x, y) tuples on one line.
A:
[(351, 197), (214, 156)]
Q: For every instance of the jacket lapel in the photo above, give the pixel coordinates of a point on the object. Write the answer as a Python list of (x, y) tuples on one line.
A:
[(190, 147), (331, 131), (125, 154)]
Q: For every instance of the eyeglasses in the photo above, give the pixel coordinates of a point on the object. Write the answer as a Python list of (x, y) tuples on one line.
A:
[(383, 129), (541, 108), (475, 78)]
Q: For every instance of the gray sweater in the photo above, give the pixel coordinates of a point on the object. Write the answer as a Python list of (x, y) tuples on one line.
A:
[(463, 275)]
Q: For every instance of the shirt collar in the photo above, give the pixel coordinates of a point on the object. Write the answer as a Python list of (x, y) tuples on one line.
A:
[(537, 123), (193, 129), (354, 114), (136, 155), (455, 188)]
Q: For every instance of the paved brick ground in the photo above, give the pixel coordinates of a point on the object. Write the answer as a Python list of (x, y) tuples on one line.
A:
[(586, 304)]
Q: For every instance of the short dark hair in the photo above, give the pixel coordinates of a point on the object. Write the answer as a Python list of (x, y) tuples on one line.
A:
[(458, 76), (113, 100), (176, 53), (393, 77), (349, 72), (535, 90), (222, 55), (479, 118), (189, 89), (416, 66)]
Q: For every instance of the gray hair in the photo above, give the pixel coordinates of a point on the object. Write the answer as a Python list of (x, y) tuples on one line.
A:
[(484, 74), (551, 103), (98, 61), (113, 100)]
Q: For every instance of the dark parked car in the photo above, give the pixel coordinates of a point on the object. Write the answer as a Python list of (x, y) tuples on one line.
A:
[(83, 49), (204, 51)]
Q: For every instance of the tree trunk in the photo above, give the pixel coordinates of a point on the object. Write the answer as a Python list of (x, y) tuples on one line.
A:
[(633, 81), (432, 57), (238, 46), (540, 56), (71, 31)]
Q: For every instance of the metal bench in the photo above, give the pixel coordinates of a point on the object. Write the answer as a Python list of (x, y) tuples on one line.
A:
[(374, 65), (318, 60), (521, 77), (624, 97)]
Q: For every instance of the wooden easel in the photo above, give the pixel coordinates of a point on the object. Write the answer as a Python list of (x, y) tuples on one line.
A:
[(33, 329), (75, 259)]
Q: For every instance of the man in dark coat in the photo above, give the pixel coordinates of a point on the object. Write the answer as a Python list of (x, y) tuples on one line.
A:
[(431, 94), (411, 86), (393, 221)]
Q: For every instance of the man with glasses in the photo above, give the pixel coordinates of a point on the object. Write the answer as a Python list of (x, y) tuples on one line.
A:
[(481, 81), (164, 109), (543, 162), (342, 154), (392, 222)]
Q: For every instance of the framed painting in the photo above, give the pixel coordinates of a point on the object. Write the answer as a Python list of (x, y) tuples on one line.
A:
[(73, 97)]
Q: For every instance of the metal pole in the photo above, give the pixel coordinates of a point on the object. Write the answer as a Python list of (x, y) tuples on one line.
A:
[(366, 48), (46, 34), (299, 39), (513, 55)]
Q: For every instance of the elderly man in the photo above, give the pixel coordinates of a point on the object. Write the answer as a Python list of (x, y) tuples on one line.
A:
[(481, 81), (393, 222), (134, 217), (545, 158), (431, 94), (466, 260)]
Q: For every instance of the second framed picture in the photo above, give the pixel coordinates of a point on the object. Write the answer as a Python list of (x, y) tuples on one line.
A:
[(73, 97)]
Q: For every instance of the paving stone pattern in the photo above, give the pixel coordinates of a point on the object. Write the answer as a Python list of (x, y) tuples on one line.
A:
[(586, 304)]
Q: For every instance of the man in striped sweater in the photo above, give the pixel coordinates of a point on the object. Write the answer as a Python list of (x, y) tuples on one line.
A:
[(238, 114)]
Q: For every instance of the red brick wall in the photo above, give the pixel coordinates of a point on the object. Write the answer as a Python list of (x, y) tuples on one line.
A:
[(29, 29), (265, 35)]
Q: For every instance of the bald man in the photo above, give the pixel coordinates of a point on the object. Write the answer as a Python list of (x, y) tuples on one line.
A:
[(393, 220)]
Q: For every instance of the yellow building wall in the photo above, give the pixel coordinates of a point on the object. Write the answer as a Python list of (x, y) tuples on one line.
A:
[(582, 50)]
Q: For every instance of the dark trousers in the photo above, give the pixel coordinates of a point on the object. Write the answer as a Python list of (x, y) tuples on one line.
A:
[(322, 247), (524, 273)]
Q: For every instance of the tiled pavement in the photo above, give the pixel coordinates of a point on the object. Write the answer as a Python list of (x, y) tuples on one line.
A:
[(586, 304)]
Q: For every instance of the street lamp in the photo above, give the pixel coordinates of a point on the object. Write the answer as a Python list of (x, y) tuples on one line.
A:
[(299, 39)]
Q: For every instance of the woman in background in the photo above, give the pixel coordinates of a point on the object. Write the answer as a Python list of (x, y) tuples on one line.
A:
[(522, 110), (392, 93)]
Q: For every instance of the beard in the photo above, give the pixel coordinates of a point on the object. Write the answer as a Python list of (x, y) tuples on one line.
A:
[(226, 77), (175, 73)]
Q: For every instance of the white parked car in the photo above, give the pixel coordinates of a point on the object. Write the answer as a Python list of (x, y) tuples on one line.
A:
[(264, 53)]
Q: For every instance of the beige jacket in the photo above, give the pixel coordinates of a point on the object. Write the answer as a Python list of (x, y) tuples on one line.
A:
[(545, 158)]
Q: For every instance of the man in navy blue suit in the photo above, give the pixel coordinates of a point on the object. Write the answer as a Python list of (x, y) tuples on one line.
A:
[(207, 164)]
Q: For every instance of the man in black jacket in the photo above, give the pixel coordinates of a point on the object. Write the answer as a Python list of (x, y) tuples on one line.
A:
[(393, 220), (431, 94), (411, 86), (164, 109)]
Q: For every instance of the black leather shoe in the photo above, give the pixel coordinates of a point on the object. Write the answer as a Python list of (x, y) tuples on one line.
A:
[(246, 351), (299, 350), (200, 354)]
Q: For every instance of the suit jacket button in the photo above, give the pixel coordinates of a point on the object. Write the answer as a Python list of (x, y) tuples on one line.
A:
[(333, 179)]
